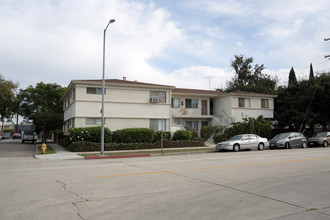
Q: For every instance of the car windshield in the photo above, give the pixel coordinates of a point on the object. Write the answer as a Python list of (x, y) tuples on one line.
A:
[(282, 136), (235, 138), (321, 134)]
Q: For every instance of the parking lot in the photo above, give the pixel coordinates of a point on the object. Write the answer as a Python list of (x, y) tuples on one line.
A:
[(270, 184)]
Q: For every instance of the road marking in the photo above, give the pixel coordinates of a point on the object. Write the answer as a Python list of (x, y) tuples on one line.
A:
[(218, 167), (134, 174)]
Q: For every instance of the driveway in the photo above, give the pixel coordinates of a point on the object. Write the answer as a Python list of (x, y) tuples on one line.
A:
[(15, 148)]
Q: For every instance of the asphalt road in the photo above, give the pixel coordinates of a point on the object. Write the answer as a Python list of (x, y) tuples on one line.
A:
[(15, 148), (272, 184)]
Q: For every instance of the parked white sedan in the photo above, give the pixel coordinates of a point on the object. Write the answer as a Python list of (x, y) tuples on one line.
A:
[(243, 142)]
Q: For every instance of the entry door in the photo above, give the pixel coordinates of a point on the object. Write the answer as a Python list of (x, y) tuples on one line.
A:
[(204, 107)]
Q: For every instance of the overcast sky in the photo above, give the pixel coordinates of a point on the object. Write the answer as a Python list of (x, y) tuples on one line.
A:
[(171, 42)]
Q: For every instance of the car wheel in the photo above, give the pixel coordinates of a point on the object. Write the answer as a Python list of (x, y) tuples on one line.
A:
[(325, 144), (236, 148), (23, 141), (287, 145), (304, 145), (261, 146)]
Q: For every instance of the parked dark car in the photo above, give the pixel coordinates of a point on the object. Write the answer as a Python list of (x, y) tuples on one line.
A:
[(320, 139), (16, 135), (288, 140)]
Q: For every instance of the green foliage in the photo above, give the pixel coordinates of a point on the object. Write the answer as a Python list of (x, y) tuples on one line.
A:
[(311, 73), (250, 79), (259, 126), (292, 77), (182, 135), (7, 98), (207, 132), (93, 146), (64, 140), (194, 134), (43, 104), (292, 102), (89, 134), (133, 135), (158, 136)]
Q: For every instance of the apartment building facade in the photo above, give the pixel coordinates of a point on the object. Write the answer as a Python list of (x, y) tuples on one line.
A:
[(132, 104)]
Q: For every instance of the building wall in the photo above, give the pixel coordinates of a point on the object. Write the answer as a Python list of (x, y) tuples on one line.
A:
[(183, 115), (222, 111), (130, 107), (255, 110), (123, 107)]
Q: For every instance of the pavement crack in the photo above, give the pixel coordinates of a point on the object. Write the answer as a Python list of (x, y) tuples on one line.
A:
[(75, 204)]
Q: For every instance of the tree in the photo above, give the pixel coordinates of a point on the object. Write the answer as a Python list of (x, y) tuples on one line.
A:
[(311, 73), (292, 77), (303, 103), (43, 105), (250, 79), (7, 97)]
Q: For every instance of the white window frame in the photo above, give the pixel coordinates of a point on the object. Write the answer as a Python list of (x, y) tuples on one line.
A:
[(157, 124), (246, 103), (193, 103)]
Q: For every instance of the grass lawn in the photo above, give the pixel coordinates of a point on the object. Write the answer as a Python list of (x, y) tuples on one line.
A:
[(49, 150), (154, 152)]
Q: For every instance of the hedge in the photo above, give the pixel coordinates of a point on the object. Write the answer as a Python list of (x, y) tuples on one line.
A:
[(92, 146), (133, 135), (158, 136), (182, 135), (89, 134)]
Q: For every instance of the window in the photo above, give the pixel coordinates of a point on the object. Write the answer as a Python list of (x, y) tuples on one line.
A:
[(160, 95), (243, 103), (205, 123), (94, 121), (157, 124), (264, 103), (191, 103), (74, 94), (175, 102), (92, 90), (192, 125)]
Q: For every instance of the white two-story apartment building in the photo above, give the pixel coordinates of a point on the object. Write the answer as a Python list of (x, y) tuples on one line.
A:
[(132, 104)]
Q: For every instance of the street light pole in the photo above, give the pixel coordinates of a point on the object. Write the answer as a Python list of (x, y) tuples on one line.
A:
[(103, 85)]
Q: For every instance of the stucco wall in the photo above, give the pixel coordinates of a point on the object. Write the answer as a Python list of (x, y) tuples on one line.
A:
[(222, 110)]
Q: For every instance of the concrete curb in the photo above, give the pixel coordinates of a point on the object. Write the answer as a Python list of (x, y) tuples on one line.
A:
[(119, 156)]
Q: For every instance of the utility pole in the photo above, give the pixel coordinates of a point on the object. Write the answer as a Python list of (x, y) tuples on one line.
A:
[(209, 77), (326, 56)]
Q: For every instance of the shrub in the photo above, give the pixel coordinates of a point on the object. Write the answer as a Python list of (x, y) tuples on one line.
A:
[(89, 134), (259, 126), (133, 135), (64, 140), (92, 146), (182, 135), (158, 136), (194, 134), (207, 132), (219, 138)]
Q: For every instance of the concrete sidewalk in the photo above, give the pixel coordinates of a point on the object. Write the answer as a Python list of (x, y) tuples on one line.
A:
[(64, 154), (61, 154)]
